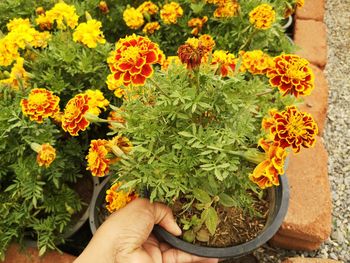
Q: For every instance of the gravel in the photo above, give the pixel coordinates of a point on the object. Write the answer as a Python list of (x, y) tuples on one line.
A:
[(336, 138)]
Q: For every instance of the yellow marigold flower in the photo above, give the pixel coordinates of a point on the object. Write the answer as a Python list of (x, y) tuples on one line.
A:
[(218, 2), (117, 198), (300, 3), (18, 75), (229, 9), (120, 145), (256, 61), (57, 117), (207, 42), (291, 128), (98, 163), (40, 10), (148, 8), (266, 173), (170, 13), (292, 75), (46, 155), (16, 22), (150, 28), (8, 51), (40, 104), (115, 85), (197, 24), (170, 60), (133, 59), (64, 15), (96, 101), (262, 16), (133, 18), (89, 33), (225, 61), (73, 119), (40, 39), (103, 7)]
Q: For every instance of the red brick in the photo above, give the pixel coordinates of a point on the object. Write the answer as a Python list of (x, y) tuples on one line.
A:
[(311, 37), (309, 260), (313, 9), (309, 213), (317, 103), (293, 243), (31, 255)]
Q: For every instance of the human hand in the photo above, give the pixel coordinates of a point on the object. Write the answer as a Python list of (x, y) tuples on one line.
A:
[(126, 237)]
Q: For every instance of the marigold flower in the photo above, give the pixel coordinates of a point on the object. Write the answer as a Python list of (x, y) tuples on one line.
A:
[(116, 117), (89, 33), (40, 104), (8, 51), (133, 60), (117, 198), (17, 22), (115, 85), (266, 173), (96, 101), (171, 12), (40, 10), (150, 28), (190, 55), (120, 145), (148, 8), (228, 9), (255, 61), (291, 128), (300, 3), (169, 60), (292, 75), (133, 18), (73, 119), (103, 7), (197, 24), (262, 16), (44, 22), (46, 155), (226, 62), (208, 43), (98, 163), (18, 75)]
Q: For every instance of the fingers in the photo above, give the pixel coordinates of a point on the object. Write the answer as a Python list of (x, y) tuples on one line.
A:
[(164, 217), (178, 256)]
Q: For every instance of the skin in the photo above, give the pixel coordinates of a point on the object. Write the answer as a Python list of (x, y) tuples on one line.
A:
[(126, 237)]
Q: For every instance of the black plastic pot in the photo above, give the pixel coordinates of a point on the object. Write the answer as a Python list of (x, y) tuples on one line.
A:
[(279, 199)]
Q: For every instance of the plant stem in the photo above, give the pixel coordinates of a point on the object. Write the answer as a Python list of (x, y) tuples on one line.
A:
[(249, 39), (159, 88), (264, 92)]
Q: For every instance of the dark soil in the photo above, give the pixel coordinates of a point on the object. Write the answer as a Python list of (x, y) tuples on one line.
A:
[(235, 226)]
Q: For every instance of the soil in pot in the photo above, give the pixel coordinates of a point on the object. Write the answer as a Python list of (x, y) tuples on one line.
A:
[(235, 225)]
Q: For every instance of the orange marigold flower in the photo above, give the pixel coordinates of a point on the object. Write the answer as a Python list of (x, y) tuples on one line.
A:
[(73, 119), (262, 16), (120, 145), (292, 75), (190, 55), (46, 154), (98, 163), (40, 104), (103, 7), (117, 198), (256, 61), (150, 28), (171, 12), (40, 10), (207, 42), (133, 60), (266, 173), (228, 9), (291, 127), (225, 61), (116, 118), (197, 24), (148, 8)]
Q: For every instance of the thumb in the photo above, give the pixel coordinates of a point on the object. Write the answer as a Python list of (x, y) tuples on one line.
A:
[(163, 216)]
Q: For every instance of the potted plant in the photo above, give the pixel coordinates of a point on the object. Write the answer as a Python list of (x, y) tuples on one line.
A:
[(208, 137)]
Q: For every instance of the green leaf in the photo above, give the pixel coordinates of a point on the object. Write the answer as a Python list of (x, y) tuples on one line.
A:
[(201, 196), (211, 220), (189, 236), (185, 134), (197, 7), (227, 200)]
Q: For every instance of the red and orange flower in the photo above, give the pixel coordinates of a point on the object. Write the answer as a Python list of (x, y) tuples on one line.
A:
[(40, 104), (292, 75), (133, 60), (98, 163), (73, 119), (266, 173), (291, 128), (255, 61), (225, 61), (117, 198)]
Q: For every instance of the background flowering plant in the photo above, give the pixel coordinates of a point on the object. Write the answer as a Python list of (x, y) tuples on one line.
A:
[(73, 104)]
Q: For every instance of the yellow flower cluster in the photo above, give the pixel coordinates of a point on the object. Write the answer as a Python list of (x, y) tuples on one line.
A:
[(133, 18), (171, 12), (89, 33), (262, 16), (225, 62), (21, 33), (117, 198), (96, 101), (197, 24), (226, 9), (148, 8), (255, 61), (46, 155), (150, 28), (64, 15), (18, 76)]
